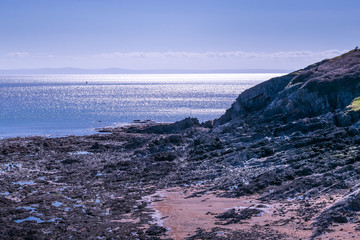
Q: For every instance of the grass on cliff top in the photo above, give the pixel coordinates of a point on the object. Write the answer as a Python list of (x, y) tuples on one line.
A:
[(342, 55), (355, 105)]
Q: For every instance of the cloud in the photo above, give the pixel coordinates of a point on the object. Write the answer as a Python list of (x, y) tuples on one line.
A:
[(171, 59), (228, 55), (17, 54), (150, 54), (212, 59)]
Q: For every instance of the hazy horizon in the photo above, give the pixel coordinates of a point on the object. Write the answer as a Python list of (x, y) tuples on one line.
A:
[(70, 70)]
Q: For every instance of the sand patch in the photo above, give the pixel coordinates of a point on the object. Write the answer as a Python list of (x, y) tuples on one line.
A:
[(182, 216)]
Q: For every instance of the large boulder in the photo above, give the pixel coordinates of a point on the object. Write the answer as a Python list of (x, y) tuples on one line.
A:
[(173, 127)]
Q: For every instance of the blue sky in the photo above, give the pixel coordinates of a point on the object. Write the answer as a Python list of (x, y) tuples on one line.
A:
[(173, 34)]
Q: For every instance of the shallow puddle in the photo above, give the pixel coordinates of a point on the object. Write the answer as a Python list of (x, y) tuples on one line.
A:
[(31, 218), (22, 183), (80, 153), (56, 204)]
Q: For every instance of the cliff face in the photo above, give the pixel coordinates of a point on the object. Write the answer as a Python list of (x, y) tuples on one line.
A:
[(323, 87)]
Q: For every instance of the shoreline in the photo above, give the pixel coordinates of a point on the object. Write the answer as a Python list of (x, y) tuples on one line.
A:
[(76, 182), (90, 131), (66, 105)]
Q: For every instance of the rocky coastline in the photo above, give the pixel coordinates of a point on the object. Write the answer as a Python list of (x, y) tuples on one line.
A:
[(283, 162)]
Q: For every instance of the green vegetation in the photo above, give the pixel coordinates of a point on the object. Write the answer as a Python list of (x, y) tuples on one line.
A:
[(355, 105), (342, 55)]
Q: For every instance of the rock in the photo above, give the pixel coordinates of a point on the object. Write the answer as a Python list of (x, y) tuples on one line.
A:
[(208, 124), (173, 127), (355, 128), (95, 146), (235, 216), (338, 218), (304, 172), (164, 156), (323, 87), (337, 212), (70, 161), (255, 98), (231, 213), (155, 230)]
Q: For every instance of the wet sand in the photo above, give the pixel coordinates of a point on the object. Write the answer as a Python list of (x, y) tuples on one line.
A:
[(182, 216)]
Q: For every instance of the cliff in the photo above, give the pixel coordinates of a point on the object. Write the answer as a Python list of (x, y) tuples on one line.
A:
[(323, 87)]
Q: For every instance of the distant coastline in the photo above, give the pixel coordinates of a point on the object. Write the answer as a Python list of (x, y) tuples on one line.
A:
[(70, 70)]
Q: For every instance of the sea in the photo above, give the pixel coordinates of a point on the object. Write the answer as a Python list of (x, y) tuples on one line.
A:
[(62, 105)]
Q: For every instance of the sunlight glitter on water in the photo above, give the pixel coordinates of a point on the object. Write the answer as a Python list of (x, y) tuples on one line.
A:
[(60, 105)]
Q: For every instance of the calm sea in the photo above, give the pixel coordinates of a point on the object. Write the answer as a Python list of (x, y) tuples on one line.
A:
[(60, 105)]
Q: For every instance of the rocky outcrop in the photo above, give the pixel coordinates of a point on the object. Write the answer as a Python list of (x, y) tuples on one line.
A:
[(256, 98), (320, 88), (171, 127), (341, 212)]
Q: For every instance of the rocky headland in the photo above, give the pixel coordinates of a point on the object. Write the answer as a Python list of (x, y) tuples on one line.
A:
[(283, 162)]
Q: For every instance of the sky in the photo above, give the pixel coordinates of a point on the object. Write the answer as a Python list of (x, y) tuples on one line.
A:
[(173, 34)]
